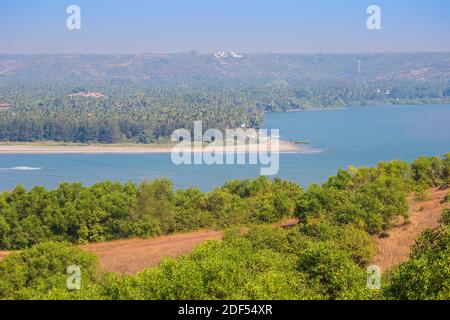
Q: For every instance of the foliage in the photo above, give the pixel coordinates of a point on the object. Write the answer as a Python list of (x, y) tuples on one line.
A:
[(371, 198), (446, 163), (344, 237), (338, 275), (429, 171), (32, 273), (264, 263), (445, 217), (108, 210)]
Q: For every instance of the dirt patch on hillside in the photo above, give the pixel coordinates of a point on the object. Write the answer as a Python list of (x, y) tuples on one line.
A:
[(4, 254), (132, 256), (395, 248)]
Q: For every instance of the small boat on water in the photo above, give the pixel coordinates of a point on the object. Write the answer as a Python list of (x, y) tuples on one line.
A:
[(300, 141)]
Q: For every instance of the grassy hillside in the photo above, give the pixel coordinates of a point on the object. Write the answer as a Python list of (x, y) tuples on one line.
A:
[(324, 257)]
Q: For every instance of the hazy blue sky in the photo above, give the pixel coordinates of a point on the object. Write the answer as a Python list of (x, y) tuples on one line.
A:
[(304, 26)]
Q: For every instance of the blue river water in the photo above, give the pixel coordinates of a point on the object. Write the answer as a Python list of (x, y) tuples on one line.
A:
[(353, 136)]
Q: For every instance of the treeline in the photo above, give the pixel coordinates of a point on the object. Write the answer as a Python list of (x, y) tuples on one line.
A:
[(108, 210), (324, 257), (282, 96), (130, 114)]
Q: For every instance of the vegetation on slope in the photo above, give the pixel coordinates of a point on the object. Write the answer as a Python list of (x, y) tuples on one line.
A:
[(426, 275), (324, 257), (108, 210)]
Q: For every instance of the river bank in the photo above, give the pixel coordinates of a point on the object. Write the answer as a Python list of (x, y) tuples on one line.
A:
[(59, 148)]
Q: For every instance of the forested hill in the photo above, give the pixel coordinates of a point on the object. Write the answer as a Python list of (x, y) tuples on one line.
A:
[(249, 69), (144, 98)]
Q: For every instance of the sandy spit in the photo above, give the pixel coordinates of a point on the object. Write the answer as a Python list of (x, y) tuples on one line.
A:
[(36, 148)]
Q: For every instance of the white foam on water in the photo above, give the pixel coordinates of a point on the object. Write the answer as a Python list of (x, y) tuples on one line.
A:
[(21, 169)]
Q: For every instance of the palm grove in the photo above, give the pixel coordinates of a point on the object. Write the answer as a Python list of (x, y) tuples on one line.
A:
[(135, 114)]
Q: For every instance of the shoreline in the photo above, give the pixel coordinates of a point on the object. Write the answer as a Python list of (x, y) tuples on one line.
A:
[(55, 148)]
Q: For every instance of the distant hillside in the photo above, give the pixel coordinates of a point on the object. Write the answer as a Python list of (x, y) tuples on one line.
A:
[(249, 68)]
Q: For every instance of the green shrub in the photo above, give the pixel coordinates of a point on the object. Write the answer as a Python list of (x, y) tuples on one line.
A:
[(426, 276), (356, 242), (445, 217), (338, 275), (421, 192), (428, 171), (107, 210), (370, 198), (32, 273), (446, 162)]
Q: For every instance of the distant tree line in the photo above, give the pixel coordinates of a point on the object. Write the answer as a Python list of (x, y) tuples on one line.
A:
[(149, 114), (126, 115)]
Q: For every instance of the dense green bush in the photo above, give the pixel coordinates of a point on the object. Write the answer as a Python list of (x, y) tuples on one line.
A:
[(33, 273), (348, 238), (108, 210), (446, 162), (429, 171), (445, 218), (338, 275), (371, 198)]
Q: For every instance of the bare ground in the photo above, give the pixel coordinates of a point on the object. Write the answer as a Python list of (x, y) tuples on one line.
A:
[(395, 248), (134, 255)]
